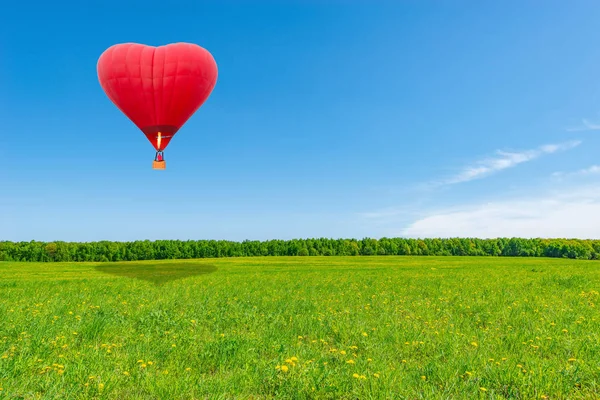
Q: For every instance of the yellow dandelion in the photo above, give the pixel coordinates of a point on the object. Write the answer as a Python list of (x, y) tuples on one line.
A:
[(376, 375), (474, 344), (284, 368), (294, 359), (140, 361), (356, 376), (572, 359), (483, 389), (423, 377), (342, 352), (365, 334), (143, 365), (165, 372), (126, 373), (188, 369), (369, 359), (300, 337), (101, 386), (350, 361), (150, 363)]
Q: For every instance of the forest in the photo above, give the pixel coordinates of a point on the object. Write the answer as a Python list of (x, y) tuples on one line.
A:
[(103, 251)]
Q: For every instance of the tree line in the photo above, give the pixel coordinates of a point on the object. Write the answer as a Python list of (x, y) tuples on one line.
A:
[(103, 251)]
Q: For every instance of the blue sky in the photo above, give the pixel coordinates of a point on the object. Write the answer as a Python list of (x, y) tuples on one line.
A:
[(329, 119)]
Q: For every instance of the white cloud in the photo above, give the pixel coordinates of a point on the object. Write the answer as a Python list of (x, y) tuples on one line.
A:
[(593, 170), (506, 160), (586, 126), (571, 213)]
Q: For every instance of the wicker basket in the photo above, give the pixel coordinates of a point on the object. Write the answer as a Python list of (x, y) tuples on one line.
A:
[(159, 164)]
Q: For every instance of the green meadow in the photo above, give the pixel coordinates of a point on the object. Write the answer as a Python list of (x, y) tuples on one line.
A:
[(386, 327)]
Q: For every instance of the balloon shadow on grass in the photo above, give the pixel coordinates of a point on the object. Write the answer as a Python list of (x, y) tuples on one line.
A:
[(156, 273)]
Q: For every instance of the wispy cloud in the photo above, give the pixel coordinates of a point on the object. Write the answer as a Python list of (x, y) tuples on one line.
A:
[(505, 160), (586, 126), (387, 220), (574, 213), (593, 170)]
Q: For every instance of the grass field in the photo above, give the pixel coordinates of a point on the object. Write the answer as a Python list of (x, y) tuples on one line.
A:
[(304, 327)]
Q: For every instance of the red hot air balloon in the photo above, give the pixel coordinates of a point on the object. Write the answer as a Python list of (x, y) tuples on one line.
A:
[(157, 88)]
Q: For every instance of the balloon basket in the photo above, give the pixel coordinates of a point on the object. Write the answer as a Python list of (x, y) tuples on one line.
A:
[(159, 164)]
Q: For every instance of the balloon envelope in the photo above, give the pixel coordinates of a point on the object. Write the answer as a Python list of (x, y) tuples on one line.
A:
[(157, 88)]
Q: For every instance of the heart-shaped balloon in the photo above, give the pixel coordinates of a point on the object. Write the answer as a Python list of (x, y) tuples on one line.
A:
[(157, 88)]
